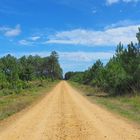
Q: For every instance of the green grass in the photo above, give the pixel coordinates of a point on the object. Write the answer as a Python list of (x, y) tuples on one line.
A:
[(126, 106), (15, 102)]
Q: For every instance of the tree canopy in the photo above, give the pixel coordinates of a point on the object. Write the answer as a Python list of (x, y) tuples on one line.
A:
[(15, 71)]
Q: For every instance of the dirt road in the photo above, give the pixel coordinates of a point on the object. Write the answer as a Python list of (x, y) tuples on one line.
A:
[(66, 115)]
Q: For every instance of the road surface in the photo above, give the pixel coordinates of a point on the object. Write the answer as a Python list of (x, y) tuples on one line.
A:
[(66, 115)]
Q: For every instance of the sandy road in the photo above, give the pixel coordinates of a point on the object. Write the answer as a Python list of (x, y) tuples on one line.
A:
[(66, 115)]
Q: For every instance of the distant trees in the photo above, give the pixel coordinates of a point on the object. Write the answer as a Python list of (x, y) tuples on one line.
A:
[(15, 72), (75, 76), (119, 76), (54, 68)]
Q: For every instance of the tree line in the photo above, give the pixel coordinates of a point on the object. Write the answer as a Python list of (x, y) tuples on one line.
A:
[(16, 73), (119, 76)]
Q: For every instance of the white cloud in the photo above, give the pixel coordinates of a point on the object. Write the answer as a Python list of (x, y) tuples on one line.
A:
[(25, 42), (123, 23), (30, 41), (110, 2), (85, 56), (108, 37), (130, 0), (34, 38), (11, 32)]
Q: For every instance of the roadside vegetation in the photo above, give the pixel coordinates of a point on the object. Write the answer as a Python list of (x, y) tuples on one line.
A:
[(126, 106), (115, 85), (120, 76), (13, 103), (25, 79)]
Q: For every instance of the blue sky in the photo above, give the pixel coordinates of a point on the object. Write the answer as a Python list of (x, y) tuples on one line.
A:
[(81, 31)]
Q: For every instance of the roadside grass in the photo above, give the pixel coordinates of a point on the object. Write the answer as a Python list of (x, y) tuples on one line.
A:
[(15, 102), (127, 106)]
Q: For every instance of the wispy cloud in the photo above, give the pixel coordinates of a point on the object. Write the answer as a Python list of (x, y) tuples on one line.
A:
[(110, 2), (108, 37), (123, 23), (29, 41), (34, 38), (9, 11), (94, 11), (10, 32), (85, 56), (25, 42)]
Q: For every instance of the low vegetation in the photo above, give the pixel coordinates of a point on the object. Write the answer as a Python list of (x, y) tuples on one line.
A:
[(12, 103), (24, 79), (127, 106)]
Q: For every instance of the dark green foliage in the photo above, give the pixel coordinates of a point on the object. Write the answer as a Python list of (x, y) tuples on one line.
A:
[(54, 68), (91, 74), (74, 76), (68, 75), (119, 76), (15, 74)]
